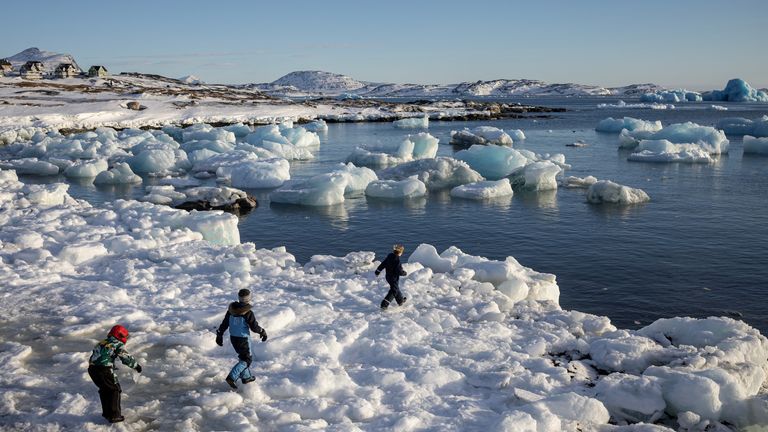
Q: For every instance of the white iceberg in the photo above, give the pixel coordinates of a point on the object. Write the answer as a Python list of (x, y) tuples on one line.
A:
[(611, 124), (394, 189), (707, 138), (437, 173), (606, 191), (317, 126), (623, 105), (119, 174), (736, 90), (572, 182), (538, 176), (480, 135), (671, 96), (86, 168), (321, 190), (666, 151), (742, 126), (31, 166), (255, 174), (754, 145), (418, 146), (412, 123), (483, 190)]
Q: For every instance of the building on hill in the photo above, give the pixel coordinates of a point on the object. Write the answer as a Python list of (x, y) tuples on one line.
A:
[(5, 67), (97, 71), (66, 70), (32, 70)]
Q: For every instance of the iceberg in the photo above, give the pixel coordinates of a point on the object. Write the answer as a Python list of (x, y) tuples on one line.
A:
[(666, 151), (572, 182), (606, 191), (671, 96), (516, 134), (396, 189), (492, 161), (86, 168), (538, 176), (611, 124), (120, 174), (483, 190), (30, 166), (321, 190), (204, 132), (412, 123), (754, 145), (255, 174), (480, 135), (743, 126), (623, 105), (358, 178), (317, 126), (438, 173), (707, 138), (736, 90), (419, 146)]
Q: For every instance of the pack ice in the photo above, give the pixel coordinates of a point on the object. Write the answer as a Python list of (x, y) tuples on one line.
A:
[(483, 344)]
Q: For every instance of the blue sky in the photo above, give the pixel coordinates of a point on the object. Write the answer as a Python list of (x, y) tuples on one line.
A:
[(698, 44)]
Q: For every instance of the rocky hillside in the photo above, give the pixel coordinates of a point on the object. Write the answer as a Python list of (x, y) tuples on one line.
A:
[(49, 59)]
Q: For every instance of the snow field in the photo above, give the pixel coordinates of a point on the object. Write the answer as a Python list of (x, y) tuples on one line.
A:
[(482, 343)]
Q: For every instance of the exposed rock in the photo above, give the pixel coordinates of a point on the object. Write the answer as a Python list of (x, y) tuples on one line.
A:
[(133, 105), (239, 206)]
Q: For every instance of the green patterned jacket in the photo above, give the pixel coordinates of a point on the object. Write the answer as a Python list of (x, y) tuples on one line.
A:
[(106, 351)]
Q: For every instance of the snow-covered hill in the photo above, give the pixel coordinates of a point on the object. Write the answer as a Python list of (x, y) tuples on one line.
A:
[(49, 59), (319, 82), (312, 83)]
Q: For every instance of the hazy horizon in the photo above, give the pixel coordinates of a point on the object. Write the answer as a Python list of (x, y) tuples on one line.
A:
[(674, 44)]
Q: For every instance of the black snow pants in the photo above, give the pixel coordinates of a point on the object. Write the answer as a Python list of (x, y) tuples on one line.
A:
[(109, 390), (393, 294)]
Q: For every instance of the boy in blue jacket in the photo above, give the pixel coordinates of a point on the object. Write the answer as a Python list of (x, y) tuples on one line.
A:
[(240, 321), (394, 270)]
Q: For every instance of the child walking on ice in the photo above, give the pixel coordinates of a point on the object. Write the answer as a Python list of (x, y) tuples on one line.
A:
[(394, 270), (101, 368), (240, 321)]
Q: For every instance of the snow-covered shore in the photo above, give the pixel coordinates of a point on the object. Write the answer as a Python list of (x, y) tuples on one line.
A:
[(481, 344)]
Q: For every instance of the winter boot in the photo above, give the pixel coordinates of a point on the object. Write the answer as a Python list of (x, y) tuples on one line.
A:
[(384, 305), (249, 380), (117, 419), (402, 302), (231, 382)]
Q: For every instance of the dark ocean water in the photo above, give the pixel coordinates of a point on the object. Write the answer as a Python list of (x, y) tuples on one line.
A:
[(697, 249)]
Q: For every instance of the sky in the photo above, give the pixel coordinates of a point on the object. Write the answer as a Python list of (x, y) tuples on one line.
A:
[(677, 43)]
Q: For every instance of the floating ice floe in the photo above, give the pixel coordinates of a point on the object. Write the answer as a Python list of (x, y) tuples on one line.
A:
[(606, 191), (325, 189), (396, 189), (611, 124), (480, 135), (86, 168), (707, 138), (119, 174), (317, 126), (623, 105), (493, 161), (437, 173), (718, 108), (754, 145), (483, 190), (736, 90), (489, 330), (412, 123), (255, 173), (671, 96), (743, 126), (30, 166), (572, 182), (417, 146), (666, 151), (537, 176)]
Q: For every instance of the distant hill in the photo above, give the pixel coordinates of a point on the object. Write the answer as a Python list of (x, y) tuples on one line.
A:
[(49, 59), (319, 83)]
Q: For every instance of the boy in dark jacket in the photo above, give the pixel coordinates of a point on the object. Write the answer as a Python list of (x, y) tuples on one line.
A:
[(394, 270), (101, 368), (239, 320)]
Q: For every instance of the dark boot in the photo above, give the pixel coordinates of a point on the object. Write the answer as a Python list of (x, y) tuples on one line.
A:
[(402, 301), (117, 419), (231, 383), (249, 380), (384, 304)]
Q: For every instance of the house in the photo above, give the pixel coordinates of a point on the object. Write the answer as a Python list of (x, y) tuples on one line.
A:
[(5, 67), (32, 70), (97, 71), (66, 70)]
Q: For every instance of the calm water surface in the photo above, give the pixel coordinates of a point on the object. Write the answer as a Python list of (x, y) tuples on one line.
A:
[(697, 249)]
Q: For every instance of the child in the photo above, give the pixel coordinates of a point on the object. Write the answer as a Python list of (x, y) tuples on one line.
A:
[(239, 319), (393, 272), (101, 368)]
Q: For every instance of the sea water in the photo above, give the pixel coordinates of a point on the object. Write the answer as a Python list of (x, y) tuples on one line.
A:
[(696, 249)]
